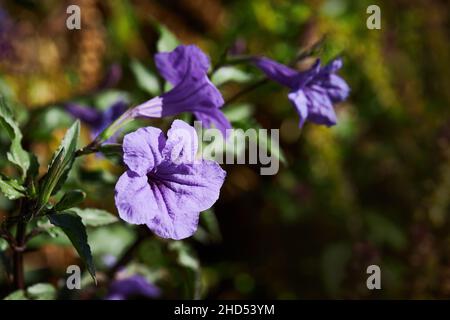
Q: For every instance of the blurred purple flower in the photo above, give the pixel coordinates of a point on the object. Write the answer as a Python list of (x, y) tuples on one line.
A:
[(97, 120), (165, 186), (6, 35), (186, 68), (313, 92), (134, 286), (112, 77)]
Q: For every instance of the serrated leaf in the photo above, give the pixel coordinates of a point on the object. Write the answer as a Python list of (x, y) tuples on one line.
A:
[(16, 154), (92, 217), (146, 80), (70, 199), (60, 164), (167, 40), (75, 230), (230, 74), (41, 291), (11, 189)]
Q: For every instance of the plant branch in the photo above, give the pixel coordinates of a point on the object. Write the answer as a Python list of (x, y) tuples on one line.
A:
[(18, 248)]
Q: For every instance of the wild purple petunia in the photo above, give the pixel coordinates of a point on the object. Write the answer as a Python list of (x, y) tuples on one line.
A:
[(186, 68), (95, 119), (313, 92), (165, 186), (130, 287)]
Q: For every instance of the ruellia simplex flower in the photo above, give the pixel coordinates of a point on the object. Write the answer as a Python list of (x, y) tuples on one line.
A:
[(170, 177)]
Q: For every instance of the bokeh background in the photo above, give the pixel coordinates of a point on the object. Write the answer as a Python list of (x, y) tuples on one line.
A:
[(372, 190)]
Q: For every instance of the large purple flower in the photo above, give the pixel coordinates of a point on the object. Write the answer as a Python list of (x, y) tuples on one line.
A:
[(186, 68), (166, 186), (134, 286), (313, 92), (95, 119)]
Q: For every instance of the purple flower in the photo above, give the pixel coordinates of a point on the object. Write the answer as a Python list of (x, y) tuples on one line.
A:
[(95, 119), (134, 286), (186, 69), (313, 92), (165, 186)]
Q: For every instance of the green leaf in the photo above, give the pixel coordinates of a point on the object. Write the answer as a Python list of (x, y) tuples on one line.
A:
[(146, 80), (16, 295), (70, 199), (95, 217), (334, 262), (383, 231), (185, 256), (238, 112), (3, 244), (229, 74), (75, 230), (44, 224), (41, 291), (167, 40), (60, 164), (11, 189), (16, 154)]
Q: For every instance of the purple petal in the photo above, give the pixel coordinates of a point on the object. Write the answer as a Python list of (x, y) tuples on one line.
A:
[(182, 143), (174, 65), (134, 198), (320, 107), (142, 149), (181, 192), (300, 102), (191, 95), (90, 116), (277, 72), (135, 285), (308, 77), (333, 66), (336, 88), (216, 118)]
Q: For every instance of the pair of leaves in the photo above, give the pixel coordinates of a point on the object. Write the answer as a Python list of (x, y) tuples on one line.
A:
[(17, 155), (60, 164)]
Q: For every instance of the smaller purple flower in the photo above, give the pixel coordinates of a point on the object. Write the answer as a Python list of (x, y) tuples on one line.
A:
[(132, 287), (166, 186), (186, 68), (96, 120), (313, 92)]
